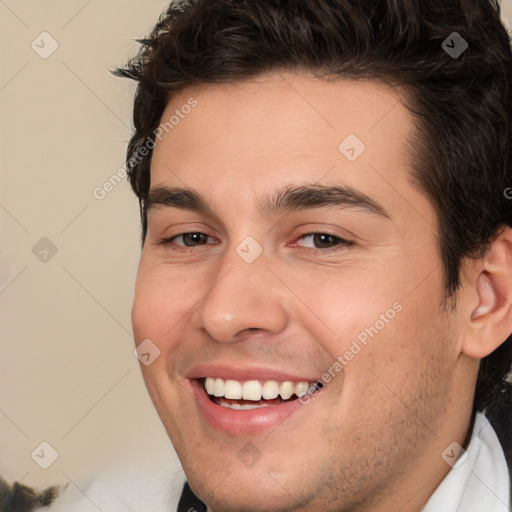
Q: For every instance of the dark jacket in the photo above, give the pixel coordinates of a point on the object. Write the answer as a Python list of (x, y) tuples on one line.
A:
[(500, 417)]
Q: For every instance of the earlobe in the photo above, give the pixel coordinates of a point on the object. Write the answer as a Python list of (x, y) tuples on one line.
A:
[(491, 319)]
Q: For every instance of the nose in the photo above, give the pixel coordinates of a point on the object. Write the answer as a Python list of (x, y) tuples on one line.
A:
[(241, 297)]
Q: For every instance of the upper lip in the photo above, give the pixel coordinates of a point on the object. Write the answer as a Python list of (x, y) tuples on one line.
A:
[(242, 374)]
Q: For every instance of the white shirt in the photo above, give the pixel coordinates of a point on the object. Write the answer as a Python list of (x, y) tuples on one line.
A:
[(138, 488), (479, 484)]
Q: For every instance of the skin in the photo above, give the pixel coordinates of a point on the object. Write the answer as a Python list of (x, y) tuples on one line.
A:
[(372, 439)]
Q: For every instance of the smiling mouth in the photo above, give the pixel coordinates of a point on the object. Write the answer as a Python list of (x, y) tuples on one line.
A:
[(255, 394)]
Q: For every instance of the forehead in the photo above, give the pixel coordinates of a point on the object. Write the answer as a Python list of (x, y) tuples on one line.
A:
[(257, 136), (289, 110)]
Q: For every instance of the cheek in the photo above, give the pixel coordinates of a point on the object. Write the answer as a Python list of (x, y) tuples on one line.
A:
[(153, 315), (158, 314), (162, 299), (406, 354), (374, 324), (165, 300), (348, 304)]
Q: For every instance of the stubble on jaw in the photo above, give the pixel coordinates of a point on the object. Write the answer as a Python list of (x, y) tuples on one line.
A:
[(401, 441), (371, 480)]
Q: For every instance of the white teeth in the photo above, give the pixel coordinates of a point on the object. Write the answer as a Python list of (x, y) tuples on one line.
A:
[(270, 390), (240, 407), (218, 388), (251, 390), (286, 390), (301, 389), (233, 389), (254, 390), (210, 385), (246, 407)]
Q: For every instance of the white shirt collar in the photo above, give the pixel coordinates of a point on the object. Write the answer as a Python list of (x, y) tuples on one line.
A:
[(481, 482)]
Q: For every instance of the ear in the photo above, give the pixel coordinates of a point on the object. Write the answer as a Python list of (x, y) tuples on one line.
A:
[(490, 322)]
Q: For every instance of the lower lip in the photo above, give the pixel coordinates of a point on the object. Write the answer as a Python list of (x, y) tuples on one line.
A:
[(236, 422)]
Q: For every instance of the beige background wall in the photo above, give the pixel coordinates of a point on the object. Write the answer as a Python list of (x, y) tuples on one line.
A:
[(67, 372), (68, 376)]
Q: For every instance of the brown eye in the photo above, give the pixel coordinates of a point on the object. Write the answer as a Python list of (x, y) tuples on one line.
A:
[(322, 241), (191, 239)]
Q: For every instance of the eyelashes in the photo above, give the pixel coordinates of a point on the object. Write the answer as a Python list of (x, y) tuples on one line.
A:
[(326, 238), (191, 241), (194, 236)]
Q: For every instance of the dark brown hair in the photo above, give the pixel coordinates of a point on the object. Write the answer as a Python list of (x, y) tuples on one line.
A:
[(462, 105), (17, 497)]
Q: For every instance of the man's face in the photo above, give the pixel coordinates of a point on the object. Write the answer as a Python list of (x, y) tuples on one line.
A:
[(342, 284)]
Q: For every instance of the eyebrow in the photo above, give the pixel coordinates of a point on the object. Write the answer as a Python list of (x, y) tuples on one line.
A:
[(286, 200)]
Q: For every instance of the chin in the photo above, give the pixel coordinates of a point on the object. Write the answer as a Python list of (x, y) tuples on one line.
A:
[(274, 484), (261, 493)]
